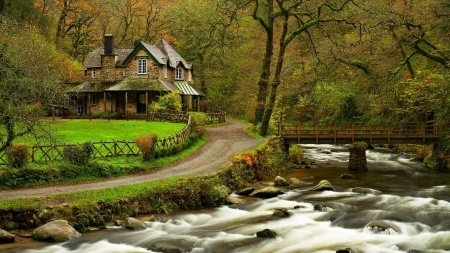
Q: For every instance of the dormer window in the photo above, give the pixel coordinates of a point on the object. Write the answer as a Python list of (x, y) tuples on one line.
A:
[(93, 73), (141, 66), (179, 74)]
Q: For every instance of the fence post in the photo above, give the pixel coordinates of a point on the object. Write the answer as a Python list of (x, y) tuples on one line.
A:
[(335, 133), (370, 134), (317, 133), (353, 133), (115, 148)]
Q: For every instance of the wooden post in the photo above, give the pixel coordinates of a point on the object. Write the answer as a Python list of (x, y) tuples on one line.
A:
[(371, 134), (146, 104), (389, 135), (298, 133), (104, 101), (353, 133), (317, 133), (424, 125), (335, 134), (89, 106), (126, 105)]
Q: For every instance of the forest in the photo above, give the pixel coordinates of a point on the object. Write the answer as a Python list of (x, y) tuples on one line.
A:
[(261, 60)]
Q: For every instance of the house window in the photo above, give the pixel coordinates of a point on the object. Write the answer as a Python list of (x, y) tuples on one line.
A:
[(94, 99), (165, 71), (178, 74), (94, 73), (124, 72), (141, 66)]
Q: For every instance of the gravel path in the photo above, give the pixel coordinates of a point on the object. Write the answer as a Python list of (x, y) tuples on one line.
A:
[(223, 142)]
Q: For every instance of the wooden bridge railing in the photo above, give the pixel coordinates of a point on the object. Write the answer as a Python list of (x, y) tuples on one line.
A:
[(412, 132)]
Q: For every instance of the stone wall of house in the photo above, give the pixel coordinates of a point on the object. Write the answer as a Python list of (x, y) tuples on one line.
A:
[(153, 70)]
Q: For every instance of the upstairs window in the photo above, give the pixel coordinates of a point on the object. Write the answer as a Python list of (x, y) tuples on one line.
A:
[(179, 74), (165, 72), (94, 73), (141, 66)]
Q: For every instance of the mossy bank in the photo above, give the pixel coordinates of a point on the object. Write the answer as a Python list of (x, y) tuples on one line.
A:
[(95, 209)]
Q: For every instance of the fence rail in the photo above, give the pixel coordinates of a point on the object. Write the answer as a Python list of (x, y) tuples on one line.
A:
[(215, 116), (103, 149), (411, 132)]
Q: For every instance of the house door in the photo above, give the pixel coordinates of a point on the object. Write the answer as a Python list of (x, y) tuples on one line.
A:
[(141, 103), (80, 106)]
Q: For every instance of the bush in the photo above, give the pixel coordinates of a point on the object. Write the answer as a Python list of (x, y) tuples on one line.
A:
[(104, 115), (78, 155), (198, 118), (18, 155), (296, 154), (147, 145)]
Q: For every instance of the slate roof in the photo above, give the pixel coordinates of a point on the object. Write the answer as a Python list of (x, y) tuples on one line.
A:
[(94, 58), (138, 84), (187, 89), (90, 87), (171, 54)]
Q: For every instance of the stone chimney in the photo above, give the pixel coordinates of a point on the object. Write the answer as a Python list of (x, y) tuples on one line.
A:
[(108, 59), (108, 41)]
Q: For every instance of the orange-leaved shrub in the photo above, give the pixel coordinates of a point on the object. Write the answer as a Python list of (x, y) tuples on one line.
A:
[(147, 145), (18, 155)]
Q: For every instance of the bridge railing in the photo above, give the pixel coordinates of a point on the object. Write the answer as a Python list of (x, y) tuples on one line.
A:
[(334, 133)]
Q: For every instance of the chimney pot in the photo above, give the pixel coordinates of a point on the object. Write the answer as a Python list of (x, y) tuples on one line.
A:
[(108, 41)]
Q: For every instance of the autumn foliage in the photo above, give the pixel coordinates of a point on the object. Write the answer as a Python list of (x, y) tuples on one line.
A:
[(147, 145)]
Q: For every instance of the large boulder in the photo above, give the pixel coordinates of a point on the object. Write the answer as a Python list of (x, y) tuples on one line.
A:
[(245, 191), (266, 233), (279, 181), (55, 231), (6, 237), (323, 185), (133, 223), (266, 192)]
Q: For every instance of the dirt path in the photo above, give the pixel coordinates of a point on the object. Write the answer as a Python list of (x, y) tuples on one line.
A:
[(223, 142)]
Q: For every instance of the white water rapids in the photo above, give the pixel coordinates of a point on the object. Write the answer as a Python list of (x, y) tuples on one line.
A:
[(406, 208)]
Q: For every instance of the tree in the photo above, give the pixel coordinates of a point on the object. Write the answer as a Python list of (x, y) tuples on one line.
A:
[(30, 75)]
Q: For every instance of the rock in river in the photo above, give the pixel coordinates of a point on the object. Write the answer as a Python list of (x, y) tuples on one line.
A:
[(55, 231), (266, 192), (323, 185)]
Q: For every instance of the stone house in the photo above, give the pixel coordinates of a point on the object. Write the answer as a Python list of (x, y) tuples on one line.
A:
[(127, 80)]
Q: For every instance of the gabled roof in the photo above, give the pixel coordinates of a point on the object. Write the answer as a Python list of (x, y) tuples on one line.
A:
[(162, 53), (94, 58), (172, 55)]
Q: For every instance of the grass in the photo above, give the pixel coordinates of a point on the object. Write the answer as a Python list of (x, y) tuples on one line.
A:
[(74, 131)]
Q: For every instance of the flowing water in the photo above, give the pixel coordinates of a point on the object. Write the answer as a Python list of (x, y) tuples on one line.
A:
[(406, 207)]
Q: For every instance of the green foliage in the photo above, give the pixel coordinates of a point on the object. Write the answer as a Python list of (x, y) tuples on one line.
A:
[(296, 154), (198, 118), (105, 115), (18, 155), (358, 145), (147, 145), (170, 101), (440, 157), (78, 154)]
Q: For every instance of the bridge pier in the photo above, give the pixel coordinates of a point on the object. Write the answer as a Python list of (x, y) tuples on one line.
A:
[(357, 159)]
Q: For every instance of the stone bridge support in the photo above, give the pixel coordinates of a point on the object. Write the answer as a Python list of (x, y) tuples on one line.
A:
[(357, 159)]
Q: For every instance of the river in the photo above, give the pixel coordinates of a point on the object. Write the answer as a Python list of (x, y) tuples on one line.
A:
[(406, 207)]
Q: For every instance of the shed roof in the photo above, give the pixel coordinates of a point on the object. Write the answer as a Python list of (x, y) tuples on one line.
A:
[(90, 87), (187, 89)]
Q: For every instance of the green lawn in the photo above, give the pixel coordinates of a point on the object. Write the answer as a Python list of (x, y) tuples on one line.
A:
[(73, 131)]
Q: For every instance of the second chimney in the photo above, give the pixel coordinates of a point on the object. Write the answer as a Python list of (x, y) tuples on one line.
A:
[(108, 41)]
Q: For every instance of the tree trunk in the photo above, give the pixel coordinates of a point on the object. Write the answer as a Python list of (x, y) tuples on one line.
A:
[(263, 81), (2, 4)]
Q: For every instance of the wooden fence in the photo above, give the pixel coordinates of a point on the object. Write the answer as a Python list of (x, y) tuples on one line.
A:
[(215, 116), (102, 149)]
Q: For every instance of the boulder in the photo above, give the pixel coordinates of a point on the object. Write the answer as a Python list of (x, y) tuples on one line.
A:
[(133, 223), (280, 212), (323, 185), (266, 233), (279, 181), (245, 191), (347, 176), (359, 190), (55, 231), (297, 181), (266, 192), (234, 200), (6, 237)]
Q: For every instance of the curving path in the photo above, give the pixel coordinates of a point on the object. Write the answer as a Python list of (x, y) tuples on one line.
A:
[(223, 142)]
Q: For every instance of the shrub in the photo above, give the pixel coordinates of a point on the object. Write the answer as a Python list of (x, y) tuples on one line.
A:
[(198, 118), (147, 145), (78, 155), (18, 155), (296, 154), (104, 115)]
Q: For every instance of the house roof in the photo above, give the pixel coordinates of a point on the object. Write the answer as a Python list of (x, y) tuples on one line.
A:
[(173, 57), (90, 87), (94, 58), (139, 84)]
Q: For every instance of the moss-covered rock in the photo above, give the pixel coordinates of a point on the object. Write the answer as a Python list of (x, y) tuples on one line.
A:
[(323, 185), (266, 233), (6, 237), (266, 192), (279, 181), (133, 223), (55, 231)]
